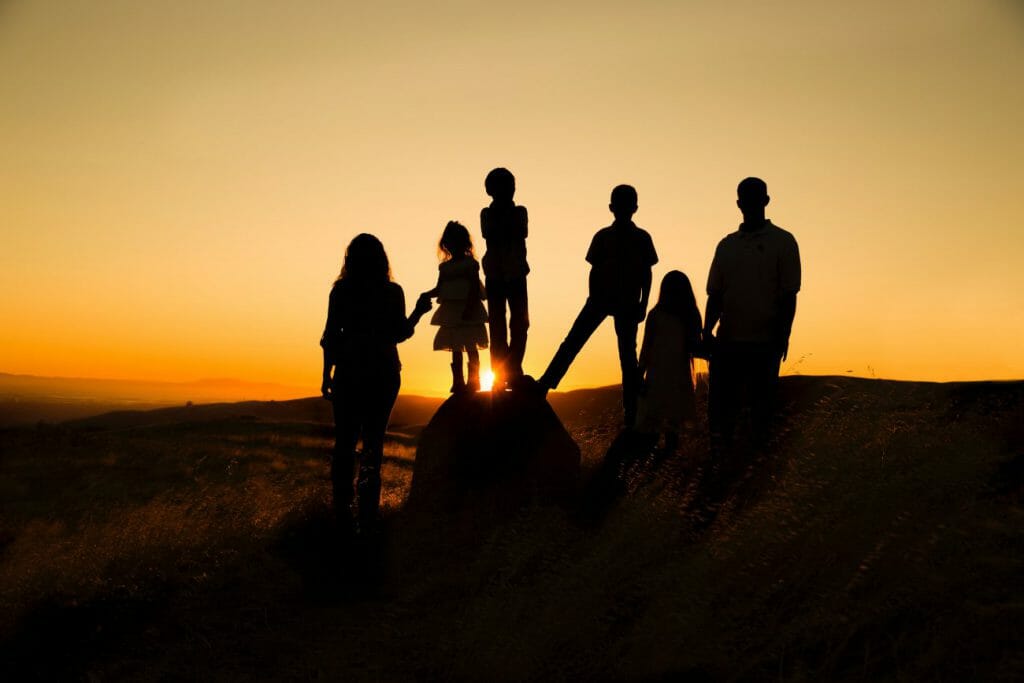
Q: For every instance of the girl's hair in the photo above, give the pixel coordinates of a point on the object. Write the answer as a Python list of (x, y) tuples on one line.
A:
[(455, 241), (365, 261), (676, 297)]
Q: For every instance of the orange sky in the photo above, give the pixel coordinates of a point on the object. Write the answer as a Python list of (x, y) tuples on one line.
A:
[(178, 184)]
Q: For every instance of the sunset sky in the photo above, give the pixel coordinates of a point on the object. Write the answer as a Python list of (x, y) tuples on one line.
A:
[(178, 181)]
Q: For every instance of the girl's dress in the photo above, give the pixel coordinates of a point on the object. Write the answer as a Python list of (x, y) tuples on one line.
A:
[(460, 315), (667, 401)]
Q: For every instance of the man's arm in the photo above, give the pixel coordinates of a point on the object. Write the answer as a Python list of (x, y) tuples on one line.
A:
[(712, 313), (789, 285), (787, 311)]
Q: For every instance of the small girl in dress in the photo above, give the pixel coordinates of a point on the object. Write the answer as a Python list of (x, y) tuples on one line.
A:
[(460, 316), (671, 336)]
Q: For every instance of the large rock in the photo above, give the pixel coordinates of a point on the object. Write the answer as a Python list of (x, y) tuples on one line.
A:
[(493, 452)]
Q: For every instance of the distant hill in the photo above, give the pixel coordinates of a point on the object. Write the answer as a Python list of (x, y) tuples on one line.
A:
[(25, 399)]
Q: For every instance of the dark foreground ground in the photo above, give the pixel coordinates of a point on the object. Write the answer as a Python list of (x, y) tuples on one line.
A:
[(882, 538)]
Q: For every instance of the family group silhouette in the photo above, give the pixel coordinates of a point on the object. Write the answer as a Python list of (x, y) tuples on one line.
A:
[(751, 298)]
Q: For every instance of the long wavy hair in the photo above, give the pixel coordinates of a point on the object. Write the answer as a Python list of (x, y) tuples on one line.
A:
[(365, 261), (455, 241), (676, 298)]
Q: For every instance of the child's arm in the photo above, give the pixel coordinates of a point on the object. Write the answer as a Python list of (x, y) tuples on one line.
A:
[(645, 293), (523, 223), (432, 294), (645, 347), (485, 223)]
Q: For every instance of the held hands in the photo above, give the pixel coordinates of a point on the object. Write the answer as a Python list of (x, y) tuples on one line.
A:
[(325, 387), (641, 312), (706, 345), (423, 304)]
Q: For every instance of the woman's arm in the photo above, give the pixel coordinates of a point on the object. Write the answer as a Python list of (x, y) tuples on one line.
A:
[(325, 384), (404, 327), (327, 343)]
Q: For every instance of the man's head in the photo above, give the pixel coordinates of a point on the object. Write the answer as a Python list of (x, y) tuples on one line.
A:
[(624, 202), (752, 198), (500, 184)]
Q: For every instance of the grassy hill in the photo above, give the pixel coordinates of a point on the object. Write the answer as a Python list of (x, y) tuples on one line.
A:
[(880, 538)]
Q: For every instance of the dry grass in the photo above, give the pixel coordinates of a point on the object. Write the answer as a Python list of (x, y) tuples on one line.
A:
[(880, 539)]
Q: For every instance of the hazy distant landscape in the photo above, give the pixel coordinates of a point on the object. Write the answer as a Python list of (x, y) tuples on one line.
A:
[(26, 399), (880, 539)]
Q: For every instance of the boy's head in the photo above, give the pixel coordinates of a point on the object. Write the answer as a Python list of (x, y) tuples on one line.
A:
[(500, 184), (623, 203)]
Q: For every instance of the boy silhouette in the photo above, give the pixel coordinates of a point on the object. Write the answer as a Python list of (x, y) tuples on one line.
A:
[(504, 228), (620, 258)]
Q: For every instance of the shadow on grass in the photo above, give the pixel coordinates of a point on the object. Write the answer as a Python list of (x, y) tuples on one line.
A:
[(335, 565)]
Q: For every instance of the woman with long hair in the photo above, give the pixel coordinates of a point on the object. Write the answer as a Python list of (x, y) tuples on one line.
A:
[(361, 375)]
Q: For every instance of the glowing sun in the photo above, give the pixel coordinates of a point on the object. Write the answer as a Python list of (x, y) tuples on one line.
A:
[(486, 380)]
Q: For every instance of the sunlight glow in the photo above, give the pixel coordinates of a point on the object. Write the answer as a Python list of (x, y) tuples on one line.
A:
[(486, 380)]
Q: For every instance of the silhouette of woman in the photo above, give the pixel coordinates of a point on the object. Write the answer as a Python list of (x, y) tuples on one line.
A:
[(365, 321)]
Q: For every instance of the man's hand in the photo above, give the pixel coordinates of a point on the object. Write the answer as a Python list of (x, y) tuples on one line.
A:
[(784, 347), (641, 311), (706, 345), (325, 387)]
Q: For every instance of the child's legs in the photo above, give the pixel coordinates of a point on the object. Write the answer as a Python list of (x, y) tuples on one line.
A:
[(586, 322), (625, 332), (496, 300), (473, 366), (458, 379), (519, 323)]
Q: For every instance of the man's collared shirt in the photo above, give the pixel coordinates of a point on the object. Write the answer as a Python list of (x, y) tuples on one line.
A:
[(751, 270)]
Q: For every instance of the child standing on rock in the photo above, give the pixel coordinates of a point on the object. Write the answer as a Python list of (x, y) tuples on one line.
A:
[(504, 228), (460, 316), (671, 337)]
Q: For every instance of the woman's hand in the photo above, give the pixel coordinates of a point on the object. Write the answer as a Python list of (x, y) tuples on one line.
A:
[(423, 304), (325, 387)]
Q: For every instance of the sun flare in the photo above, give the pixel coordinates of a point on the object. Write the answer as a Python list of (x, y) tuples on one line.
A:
[(486, 380)]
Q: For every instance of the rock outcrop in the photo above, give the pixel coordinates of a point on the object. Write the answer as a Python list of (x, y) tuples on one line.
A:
[(493, 452)]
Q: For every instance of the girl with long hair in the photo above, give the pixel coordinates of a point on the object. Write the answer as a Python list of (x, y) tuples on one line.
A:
[(671, 337), (460, 316)]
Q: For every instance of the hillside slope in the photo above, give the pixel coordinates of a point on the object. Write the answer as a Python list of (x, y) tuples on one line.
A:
[(880, 538)]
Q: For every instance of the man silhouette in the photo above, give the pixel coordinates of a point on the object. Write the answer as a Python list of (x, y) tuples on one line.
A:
[(620, 257), (752, 288)]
